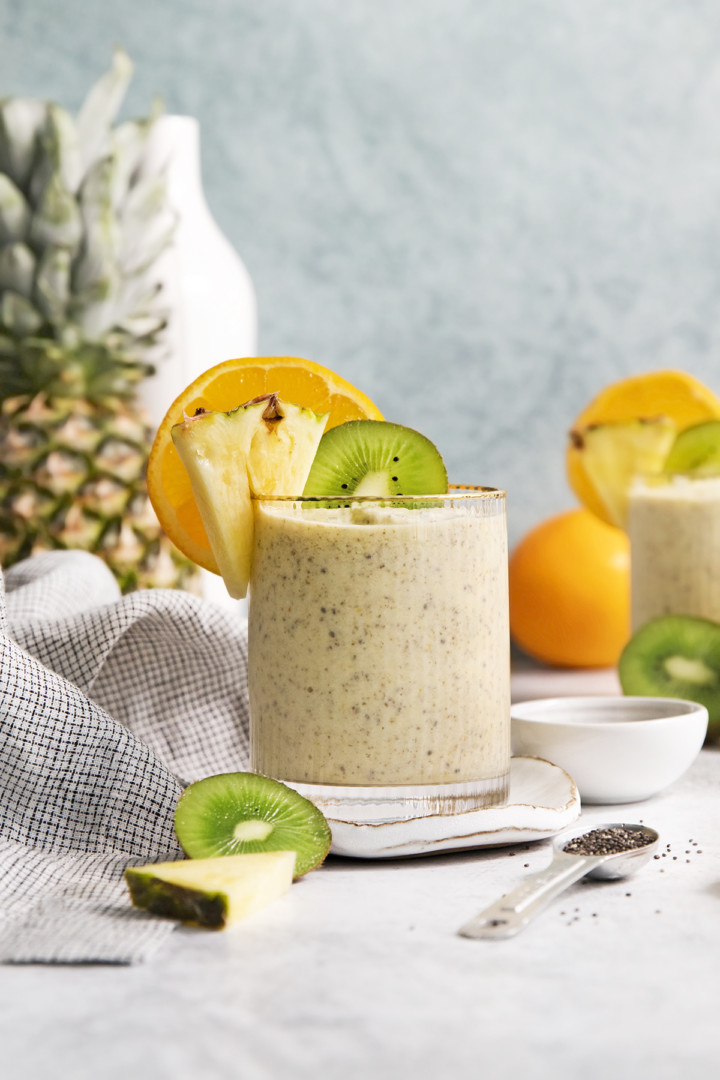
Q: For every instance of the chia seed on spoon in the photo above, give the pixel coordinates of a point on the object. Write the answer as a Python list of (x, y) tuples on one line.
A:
[(608, 841)]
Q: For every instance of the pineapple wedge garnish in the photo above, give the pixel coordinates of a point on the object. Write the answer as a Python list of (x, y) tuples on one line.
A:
[(213, 892), (265, 447), (615, 453)]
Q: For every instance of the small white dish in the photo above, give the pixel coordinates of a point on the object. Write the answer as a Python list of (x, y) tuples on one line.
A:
[(617, 749), (542, 801)]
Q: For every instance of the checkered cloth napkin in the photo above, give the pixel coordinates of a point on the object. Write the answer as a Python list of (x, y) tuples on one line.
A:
[(108, 706)]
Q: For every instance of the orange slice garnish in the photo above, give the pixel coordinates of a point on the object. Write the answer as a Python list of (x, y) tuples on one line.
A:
[(673, 394), (224, 387)]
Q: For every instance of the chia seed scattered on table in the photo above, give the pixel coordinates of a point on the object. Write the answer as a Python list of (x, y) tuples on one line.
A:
[(607, 841)]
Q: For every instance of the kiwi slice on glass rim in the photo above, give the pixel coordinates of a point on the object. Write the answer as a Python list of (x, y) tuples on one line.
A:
[(376, 458), (235, 813), (675, 656)]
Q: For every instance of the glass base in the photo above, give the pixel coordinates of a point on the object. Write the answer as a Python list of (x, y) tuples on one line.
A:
[(380, 805)]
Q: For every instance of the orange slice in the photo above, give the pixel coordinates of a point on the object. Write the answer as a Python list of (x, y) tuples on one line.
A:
[(223, 387), (673, 394)]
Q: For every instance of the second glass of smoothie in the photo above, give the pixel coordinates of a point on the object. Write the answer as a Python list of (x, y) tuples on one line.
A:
[(674, 529), (379, 649)]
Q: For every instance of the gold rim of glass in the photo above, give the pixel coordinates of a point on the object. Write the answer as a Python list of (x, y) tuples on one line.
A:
[(455, 491)]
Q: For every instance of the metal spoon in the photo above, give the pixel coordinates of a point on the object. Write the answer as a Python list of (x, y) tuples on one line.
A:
[(514, 911)]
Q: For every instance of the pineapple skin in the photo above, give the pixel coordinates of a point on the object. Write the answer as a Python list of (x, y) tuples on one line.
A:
[(177, 901), (72, 475)]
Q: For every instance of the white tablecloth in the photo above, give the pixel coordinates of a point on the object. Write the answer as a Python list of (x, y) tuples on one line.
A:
[(358, 972)]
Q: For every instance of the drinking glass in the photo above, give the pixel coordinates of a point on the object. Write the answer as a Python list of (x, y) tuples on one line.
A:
[(674, 530), (379, 651)]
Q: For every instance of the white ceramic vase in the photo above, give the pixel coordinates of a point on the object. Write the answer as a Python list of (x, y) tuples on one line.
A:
[(205, 285), (207, 290)]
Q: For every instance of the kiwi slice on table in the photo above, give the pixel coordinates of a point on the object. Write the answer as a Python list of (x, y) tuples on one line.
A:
[(240, 812), (696, 451), (375, 457), (675, 656)]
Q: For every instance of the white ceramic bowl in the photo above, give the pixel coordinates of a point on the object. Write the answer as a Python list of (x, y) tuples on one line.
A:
[(617, 749)]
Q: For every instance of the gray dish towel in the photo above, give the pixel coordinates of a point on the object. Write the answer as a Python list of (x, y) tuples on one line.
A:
[(108, 706)]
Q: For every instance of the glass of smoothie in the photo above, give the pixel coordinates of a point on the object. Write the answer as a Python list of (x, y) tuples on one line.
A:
[(674, 529), (379, 650)]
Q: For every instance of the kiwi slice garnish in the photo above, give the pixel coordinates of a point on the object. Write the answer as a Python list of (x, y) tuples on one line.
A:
[(676, 656), (374, 457), (696, 451), (240, 812)]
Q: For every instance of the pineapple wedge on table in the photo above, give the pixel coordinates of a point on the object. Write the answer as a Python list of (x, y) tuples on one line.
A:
[(215, 892), (81, 228)]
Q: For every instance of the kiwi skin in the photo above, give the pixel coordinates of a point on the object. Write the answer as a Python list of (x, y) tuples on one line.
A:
[(675, 656)]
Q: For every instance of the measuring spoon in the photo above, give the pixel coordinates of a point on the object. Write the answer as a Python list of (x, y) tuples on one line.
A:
[(514, 911)]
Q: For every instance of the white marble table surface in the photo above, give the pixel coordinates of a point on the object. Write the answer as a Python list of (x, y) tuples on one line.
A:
[(359, 973)]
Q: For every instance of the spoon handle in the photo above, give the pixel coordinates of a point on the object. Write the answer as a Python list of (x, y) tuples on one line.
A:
[(514, 911)]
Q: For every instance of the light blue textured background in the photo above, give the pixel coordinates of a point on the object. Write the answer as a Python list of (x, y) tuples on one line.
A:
[(479, 211)]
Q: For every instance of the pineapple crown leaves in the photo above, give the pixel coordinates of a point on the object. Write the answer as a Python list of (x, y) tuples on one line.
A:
[(82, 224), (97, 373)]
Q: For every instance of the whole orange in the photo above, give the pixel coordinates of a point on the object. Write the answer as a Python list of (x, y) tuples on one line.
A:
[(570, 591)]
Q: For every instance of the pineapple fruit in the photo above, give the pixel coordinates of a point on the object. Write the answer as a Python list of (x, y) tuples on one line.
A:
[(615, 453), (264, 447), (216, 892), (81, 321)]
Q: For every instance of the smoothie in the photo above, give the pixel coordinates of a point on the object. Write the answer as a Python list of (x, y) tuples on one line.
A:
[(674, 529), (379, 642)]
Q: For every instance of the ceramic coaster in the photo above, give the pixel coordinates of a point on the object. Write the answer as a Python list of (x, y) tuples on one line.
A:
[(543, 800)]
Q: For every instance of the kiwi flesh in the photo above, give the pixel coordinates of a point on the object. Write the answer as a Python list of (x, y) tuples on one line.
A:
[(696, 451), (676, 656), (235, 813), (377, 458)]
